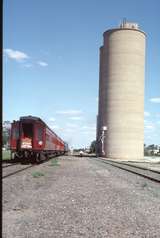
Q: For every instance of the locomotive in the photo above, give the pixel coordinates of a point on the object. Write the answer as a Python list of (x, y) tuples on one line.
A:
[(31, 138)]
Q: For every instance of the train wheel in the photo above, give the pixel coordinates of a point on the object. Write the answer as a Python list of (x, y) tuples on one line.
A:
[(16, 156), (42, 157), (38, 158), (32, 159), (46, 156)]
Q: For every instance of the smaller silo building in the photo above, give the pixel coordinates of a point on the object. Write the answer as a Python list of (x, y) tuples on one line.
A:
[(120, 120)]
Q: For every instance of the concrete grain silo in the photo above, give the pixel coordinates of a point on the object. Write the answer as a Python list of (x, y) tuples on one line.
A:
[(121, 93)]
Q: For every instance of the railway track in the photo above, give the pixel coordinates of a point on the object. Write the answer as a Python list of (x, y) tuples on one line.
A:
[(8, 165), (9, 171), (135, 169), (11, 167)]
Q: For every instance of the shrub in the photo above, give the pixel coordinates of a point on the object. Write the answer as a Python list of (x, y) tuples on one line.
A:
[(37, 174)]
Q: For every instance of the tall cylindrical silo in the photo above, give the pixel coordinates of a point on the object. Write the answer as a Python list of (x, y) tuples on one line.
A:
[(122, 92)]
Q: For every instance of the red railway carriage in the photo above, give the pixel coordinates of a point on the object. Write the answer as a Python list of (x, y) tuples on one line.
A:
[(32, 138)]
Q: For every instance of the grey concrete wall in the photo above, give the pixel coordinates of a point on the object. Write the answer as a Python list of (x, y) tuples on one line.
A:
[(121, 104)]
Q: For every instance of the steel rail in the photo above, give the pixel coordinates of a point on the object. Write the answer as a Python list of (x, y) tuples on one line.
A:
[(135, 169), (16, 162), (8, 165), (17, 171)]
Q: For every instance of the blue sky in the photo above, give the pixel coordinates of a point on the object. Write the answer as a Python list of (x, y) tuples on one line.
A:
[(51, 62)]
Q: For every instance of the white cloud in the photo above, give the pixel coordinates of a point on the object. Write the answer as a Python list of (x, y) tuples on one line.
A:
[(149, 125), (69, 112), (42, 63), (76, 118), (54, 127), (16, 55), (155, 100), (88, 132), (147, 114), (52, 119), (71, 125), (77, 135), (90, 127), (69, 131)]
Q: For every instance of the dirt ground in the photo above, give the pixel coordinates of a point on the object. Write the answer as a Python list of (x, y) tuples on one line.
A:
[(79, 197)]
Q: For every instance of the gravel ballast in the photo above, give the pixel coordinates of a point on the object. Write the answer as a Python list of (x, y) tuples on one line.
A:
[(79, 197)]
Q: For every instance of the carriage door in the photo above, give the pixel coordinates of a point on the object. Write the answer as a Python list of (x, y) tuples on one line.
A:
[(15, 140), (39, 140), (26, 135)]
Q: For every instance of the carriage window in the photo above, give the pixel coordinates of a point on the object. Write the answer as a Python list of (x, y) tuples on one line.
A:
[(40, 134), (15, 133)]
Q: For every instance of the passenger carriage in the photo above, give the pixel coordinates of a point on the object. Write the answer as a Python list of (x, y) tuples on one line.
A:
[(31, 138)]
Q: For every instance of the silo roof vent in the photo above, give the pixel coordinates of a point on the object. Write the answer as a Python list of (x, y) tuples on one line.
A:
[(131, 25)]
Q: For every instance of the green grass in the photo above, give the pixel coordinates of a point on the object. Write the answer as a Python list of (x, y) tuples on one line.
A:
[(6, 154), (54, 162), (37, 174)]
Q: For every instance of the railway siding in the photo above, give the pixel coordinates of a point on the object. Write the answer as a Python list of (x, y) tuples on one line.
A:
[(145, 170)]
